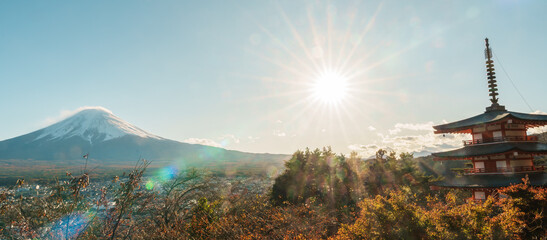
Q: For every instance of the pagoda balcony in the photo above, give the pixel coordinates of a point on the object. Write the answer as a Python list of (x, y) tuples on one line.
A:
[(501, 139), (520, 169)]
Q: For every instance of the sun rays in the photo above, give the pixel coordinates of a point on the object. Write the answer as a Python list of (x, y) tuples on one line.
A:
[(324, 61)]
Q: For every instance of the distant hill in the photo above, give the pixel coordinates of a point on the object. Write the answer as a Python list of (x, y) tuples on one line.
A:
[(112, 142)]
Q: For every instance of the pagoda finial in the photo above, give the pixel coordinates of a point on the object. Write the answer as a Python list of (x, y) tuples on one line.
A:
[(492, 84)]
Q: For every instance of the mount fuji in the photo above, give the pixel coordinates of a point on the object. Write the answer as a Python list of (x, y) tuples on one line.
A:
[(111, 141), (94, 125)]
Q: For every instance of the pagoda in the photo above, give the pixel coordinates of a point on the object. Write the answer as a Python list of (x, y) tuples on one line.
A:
[(501, 151)]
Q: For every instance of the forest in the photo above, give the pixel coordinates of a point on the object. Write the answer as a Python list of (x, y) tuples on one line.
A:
[(319, 195)]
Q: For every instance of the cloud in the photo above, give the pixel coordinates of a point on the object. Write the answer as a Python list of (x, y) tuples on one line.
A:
[(371, 128), (202, 141), (224, 141), (279, 133), (416, 127), (538, 112), (537, 130), (424, 143), (67, 113), (228, 139), (399, 127), (394, 131), (360, 147)]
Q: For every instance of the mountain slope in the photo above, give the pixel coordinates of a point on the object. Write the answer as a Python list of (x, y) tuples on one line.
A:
[(113, 141), (92, 124)]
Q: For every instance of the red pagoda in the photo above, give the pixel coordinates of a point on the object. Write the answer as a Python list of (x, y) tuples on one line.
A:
[(501, 151)]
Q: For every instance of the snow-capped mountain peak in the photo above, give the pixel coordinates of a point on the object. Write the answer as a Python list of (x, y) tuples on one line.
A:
[(92, 124)]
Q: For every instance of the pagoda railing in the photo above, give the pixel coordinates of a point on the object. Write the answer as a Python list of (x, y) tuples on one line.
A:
[(504, 169), (514, 126), (502, 139)]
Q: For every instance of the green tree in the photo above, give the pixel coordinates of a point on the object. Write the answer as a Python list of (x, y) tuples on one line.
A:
[(318, 176)]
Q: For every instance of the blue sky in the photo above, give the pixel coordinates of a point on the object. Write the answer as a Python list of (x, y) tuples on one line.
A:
[(240, 74)]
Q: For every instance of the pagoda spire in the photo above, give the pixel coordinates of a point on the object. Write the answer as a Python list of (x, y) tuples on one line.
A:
[(492, 83)]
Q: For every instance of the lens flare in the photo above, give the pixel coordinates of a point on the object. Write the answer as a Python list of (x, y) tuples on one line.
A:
[(70, 226), (166, 173), (149, 184)]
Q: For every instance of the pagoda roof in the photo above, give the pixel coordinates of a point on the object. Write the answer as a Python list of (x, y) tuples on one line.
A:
[(492, 148), (464, 126), (492, 181)]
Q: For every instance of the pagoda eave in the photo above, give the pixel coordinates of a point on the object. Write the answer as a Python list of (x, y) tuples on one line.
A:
[(452, 159), (468, 158), (465, 126), (454, 131), (492, 181), (480, 150)]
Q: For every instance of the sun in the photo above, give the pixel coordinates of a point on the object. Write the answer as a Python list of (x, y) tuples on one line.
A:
[(330, 87)]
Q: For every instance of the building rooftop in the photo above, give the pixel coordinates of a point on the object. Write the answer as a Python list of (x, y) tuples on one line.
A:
[(464, 126), (493, 148), (492, 181)]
